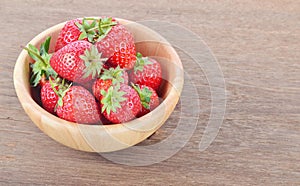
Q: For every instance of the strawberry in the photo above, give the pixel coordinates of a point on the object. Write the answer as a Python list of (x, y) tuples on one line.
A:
[(78, 61), (68, 34), (147, 71), (48, 97), (50, 92), (108, 78), (112, 39), (120, 103), (99, 85), (116, 43), (41, 69), (76, 104), (85, 29), (149, 98), (75, 30)]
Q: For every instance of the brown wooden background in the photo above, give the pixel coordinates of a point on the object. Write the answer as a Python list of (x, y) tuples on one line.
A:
[(257, 45)]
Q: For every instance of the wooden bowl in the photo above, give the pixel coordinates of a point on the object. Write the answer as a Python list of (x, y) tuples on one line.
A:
[(106, 138)]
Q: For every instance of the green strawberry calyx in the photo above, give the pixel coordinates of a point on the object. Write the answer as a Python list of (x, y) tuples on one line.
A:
[(87, 29), (112, 98), (95, 29), (145, 95), (41, 67), (104, 26), (93, 62), (141, 62), (60, 87), (114, 74)]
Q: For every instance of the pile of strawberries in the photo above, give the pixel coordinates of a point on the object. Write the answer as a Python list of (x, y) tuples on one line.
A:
[(95, 74)]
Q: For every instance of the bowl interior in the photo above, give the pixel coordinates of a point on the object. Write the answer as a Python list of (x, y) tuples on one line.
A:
[(105, 138)]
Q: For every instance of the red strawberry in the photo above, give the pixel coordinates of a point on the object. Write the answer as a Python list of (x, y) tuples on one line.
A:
[(50, 92), (69, 33), (108, 78), (48, 97), (78, 61), (147, 71), (75, 30), (120, 103), (41, 69), (149, 99), (116, 44), (99, 85), (112, 39), (77, 104)]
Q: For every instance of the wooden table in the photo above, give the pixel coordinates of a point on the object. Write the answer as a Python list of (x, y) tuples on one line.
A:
[(257, 46)]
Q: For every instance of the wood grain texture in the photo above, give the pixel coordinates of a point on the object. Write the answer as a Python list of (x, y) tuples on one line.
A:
[(257, 46)]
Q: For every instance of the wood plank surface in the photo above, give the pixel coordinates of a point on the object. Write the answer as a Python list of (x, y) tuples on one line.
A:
[(257, 45)]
